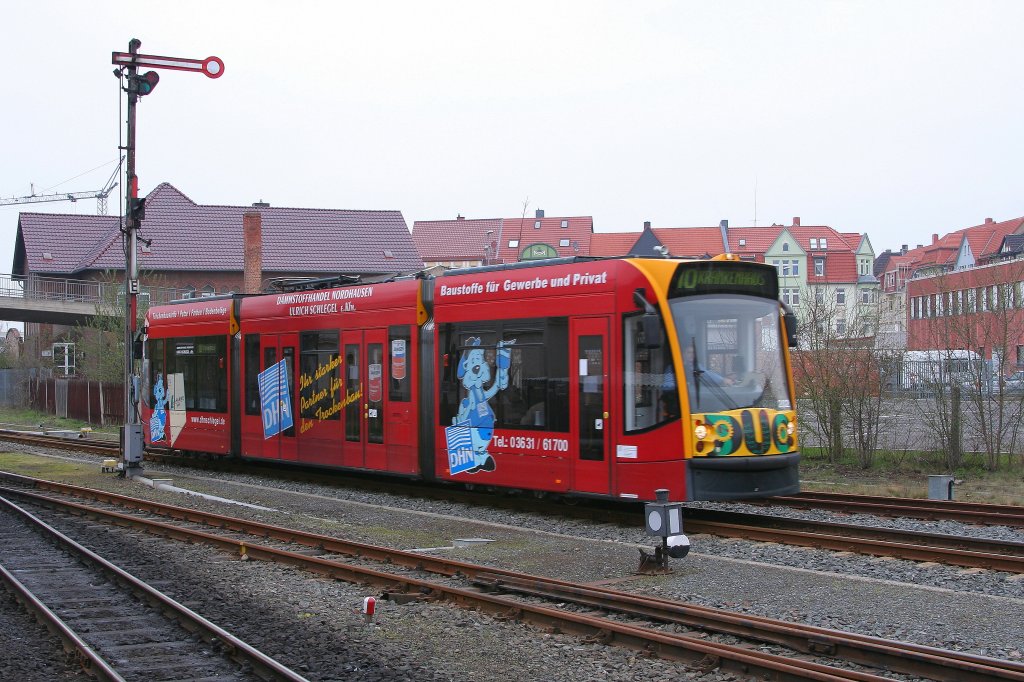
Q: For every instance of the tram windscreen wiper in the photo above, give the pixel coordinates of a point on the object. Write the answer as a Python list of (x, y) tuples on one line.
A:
[(697, 372)]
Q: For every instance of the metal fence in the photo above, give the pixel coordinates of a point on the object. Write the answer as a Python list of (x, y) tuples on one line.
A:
[(14, 387), (94, 402), (35, 287)]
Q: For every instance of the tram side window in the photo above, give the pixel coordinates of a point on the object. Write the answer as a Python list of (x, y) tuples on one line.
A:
[(252, 374), (536, 394), (319, 376), (155, 358), (202, 363), (652, 396), (399, 381)]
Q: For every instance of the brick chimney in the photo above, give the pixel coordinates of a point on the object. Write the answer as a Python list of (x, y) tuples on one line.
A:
[(796, 221), (935, 238), (989, 221), (252, 240), (647, 224)]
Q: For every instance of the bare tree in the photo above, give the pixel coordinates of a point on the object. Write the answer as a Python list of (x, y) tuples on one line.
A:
[(979, 312), (840, 374)]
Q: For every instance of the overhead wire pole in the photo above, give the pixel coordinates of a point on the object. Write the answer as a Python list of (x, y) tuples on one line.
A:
[(137, 86)]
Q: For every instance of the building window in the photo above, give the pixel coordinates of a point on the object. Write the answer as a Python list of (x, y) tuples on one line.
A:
[(1020, 355), (814, 242), (841, 326), (819, 267), (819, 296), (982, 300), (513, 243), (207, 290), (785, 246), (840, 296), (927, 306), (565, 223), (189, 292), (865, 296), (743, 242), (563, 242), (824, 243), (536, 225), (791, 296)]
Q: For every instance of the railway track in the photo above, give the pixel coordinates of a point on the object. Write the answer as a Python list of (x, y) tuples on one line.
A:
[(116, 625), (641, 622), (952, 550), (966, 512)]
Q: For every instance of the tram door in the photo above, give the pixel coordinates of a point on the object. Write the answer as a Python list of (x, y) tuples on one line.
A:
[(364, 396), (279, 396), (588, 403)]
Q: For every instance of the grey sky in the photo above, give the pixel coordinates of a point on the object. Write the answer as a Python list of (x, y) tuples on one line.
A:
[(898, 119)]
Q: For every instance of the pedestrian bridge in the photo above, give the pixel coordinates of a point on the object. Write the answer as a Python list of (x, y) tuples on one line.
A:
[(55, 300)]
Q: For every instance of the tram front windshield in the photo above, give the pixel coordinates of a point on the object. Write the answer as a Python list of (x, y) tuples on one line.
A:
[(732, 352)]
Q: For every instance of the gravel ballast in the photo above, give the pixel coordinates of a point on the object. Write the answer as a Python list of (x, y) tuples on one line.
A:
[(969, 610)]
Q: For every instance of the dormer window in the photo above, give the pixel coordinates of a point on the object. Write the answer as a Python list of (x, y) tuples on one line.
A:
[(47, 255), (563, 242), (814, 242), (743, 242), (388, 254), (565, 223), (536, 224), (824, 243), (513, 243)]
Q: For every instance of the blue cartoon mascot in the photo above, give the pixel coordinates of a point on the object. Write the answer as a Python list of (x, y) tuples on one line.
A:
[(475, 410), (158, 421)]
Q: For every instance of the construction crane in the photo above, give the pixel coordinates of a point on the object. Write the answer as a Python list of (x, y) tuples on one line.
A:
[(100, 194)]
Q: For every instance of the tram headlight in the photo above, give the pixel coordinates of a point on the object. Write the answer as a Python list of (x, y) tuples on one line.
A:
[(790, 428), (701, 432)]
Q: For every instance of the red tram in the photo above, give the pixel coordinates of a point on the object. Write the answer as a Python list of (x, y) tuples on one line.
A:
[(594, 377)]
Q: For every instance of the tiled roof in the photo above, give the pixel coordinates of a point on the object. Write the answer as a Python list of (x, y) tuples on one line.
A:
[(755, 239), (986, 239), (460, 239), (189, 236), (55, 243), (690, 242), (463, 239), (612, 243), (577, 233)]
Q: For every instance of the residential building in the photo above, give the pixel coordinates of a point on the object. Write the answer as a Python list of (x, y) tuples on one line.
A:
[(917, 285), (201, 250), (469, 242), (824, 275)]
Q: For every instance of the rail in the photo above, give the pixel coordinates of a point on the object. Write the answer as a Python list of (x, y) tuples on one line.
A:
[(39, 288)]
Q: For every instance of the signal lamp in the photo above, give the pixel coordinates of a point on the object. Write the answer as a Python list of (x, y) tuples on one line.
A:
[(145, 83)]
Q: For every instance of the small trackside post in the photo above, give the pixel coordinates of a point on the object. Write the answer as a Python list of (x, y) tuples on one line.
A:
[(663, 519)]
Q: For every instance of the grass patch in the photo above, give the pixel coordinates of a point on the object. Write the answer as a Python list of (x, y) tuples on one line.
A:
[(52, 468), (905, 474), (33, 420)]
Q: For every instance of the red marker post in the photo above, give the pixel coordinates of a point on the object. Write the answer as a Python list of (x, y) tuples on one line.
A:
[(369, 607)]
